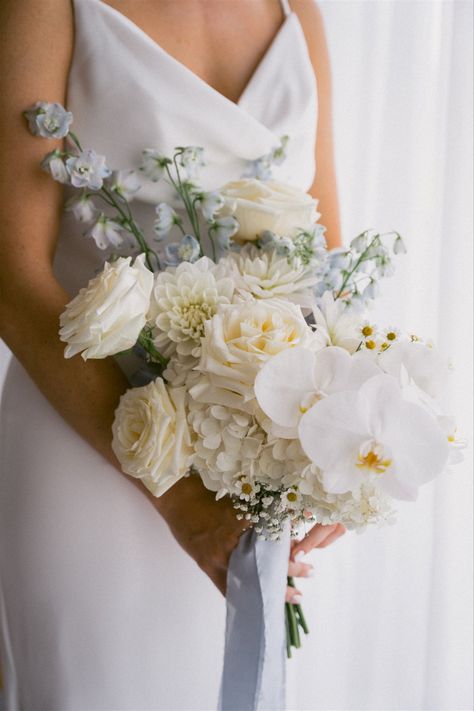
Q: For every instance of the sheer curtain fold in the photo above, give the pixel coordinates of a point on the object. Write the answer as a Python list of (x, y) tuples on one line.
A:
[(390, 610)]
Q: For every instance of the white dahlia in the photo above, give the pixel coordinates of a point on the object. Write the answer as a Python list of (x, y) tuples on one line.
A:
[(266, 275), (183, 299)]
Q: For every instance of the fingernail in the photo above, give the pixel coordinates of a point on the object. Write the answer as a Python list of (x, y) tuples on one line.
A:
[(296, 599), (299, 556)]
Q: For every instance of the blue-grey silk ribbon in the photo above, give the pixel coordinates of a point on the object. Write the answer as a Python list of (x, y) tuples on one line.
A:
[(253, 677)]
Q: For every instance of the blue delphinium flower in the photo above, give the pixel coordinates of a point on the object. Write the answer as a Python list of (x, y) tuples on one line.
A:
[(166, 217), (87, 170), (192, 160), (153, 164), (223, 228), (188, 250), (53, 164), (106, 232), (48, 120)]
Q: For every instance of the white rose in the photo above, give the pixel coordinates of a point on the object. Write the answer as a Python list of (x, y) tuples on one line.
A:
[(151, 437), (239, 339), (268, 205), (107, 316)]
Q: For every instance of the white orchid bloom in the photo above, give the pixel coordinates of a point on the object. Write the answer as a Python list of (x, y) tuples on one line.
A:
[(291, 382), (423, 364), (373, 434), (456, 441)]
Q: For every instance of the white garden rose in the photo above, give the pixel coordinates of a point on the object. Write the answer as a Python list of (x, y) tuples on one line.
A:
[(151, 438), (107, 316), (239, 339), (268, 205)]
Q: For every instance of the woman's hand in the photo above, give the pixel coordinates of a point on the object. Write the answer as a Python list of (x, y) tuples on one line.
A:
[(318, 537), (206, 529)]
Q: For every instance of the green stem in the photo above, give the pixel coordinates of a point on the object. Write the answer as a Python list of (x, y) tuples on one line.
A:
[(294, 636), (148, 345), (134, 229), (182, 191), (301, 618), (75, 140), (361, 259), (288, 634)]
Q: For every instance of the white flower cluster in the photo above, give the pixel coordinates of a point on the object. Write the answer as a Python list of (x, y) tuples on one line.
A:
[(327, 419)]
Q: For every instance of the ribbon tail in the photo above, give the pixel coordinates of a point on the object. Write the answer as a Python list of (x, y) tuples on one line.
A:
[(253, 677)]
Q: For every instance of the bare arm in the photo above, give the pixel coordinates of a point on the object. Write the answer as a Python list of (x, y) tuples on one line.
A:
[(324, 187), (35, 54)]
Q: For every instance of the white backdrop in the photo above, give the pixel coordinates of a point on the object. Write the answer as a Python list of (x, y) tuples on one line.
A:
[(390, 611)]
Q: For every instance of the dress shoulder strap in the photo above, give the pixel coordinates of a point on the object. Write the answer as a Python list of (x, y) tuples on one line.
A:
[(285, 6)]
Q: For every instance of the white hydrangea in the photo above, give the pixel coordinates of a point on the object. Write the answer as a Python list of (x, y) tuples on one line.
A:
[(226, 442), (266, 275), (183, 299), (364, 506)]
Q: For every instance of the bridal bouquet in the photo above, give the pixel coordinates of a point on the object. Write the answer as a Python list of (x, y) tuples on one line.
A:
[(264, 373)]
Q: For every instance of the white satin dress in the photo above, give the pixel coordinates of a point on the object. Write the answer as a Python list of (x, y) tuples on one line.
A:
[(100, 609)]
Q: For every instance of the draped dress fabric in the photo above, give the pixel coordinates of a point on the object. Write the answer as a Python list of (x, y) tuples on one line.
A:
[(100, 609)]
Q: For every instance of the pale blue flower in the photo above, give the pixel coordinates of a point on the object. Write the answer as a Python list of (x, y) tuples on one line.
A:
[(171, 254), (87, 170), (267, 239), (223, 228), (82, 207), (278, 154), (339, 258), (48, 120), (284, 247), (209, 203), (166, 217), (371, 290), (261, 168), (399, 246), (53, 164), (125, 183), (359, 243), (189, 249), (106, 232), (153, 164), (385, 267), (191, 159)]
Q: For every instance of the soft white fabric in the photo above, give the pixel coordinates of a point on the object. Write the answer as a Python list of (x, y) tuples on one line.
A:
[(101, 609)]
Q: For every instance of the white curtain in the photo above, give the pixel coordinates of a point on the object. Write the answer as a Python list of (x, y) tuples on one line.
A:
[(390, 610)]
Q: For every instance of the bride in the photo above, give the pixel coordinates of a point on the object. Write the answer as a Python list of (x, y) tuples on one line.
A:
[(109, 597)]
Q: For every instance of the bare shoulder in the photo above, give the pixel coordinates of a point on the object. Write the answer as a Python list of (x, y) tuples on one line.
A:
[(312, 23), (36, 43), (35, 48)]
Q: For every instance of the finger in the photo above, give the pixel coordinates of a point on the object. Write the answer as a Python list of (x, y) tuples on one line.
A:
[(300, 570), (312, 539), (293, 595), (340, 531)]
